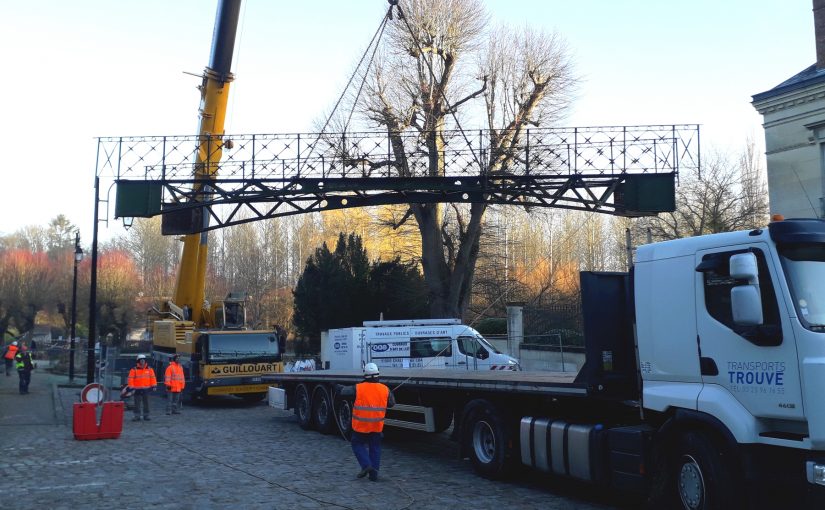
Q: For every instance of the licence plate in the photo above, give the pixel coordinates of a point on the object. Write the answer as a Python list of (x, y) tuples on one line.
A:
[(227, 390)]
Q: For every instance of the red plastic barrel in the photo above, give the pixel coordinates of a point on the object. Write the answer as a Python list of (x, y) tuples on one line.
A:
[(85, 424), (111, 422), (84, 421)]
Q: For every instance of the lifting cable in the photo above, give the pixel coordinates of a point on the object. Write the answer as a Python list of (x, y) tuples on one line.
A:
[(376, 39), (248, 473), (441, 92)]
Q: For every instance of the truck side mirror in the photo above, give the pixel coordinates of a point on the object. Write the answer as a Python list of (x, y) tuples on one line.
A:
[(746, 304), (743, 266), (746, 300)]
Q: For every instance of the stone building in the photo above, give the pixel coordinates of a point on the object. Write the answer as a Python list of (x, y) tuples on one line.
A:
[(794, 122)]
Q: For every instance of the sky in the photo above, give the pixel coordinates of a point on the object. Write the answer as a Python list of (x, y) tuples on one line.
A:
[(81, 69)]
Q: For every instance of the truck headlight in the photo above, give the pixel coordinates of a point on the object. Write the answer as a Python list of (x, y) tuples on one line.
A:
[(816, 472)]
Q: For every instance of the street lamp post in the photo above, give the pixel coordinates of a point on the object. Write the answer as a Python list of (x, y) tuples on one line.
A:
[(90, 348), (78, 256)]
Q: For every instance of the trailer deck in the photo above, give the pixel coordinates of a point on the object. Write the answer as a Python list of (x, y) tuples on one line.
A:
[(524, 382)]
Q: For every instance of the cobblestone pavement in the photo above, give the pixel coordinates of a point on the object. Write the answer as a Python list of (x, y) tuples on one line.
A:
[(232, 454)]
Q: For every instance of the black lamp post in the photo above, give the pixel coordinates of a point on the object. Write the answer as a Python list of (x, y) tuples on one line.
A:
[(78, 256), (90, 348)]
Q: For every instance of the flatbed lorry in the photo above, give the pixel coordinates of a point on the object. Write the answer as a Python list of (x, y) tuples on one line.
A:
[(702, 385)]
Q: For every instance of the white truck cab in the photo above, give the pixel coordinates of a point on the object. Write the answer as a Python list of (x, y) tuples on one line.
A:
[(733, 326), (421, 343)]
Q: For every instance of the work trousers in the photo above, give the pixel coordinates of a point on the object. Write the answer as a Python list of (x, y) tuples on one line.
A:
[(9, 365), (25, 379), (367, 448), (142, 400), (173, 402)]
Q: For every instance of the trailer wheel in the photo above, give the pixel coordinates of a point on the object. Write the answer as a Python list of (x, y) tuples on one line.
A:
[(485, 436), (303, 408), (343, 415), (702, 475), (322, 410)]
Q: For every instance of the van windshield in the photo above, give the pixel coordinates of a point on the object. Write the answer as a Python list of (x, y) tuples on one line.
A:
[(804, 265), (483, 341)]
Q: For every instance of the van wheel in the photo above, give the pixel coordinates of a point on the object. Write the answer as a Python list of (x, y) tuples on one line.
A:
[(343, 416), (485, 436), (322, 410), (303, 409), (702, 475)]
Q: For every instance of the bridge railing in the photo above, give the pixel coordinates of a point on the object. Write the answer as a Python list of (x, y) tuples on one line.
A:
[(583, 151)]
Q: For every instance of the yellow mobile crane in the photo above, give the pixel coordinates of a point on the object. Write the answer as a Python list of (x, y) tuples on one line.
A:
[(219, 354)]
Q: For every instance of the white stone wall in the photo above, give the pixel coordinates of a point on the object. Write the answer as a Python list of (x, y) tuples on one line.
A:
[(794, 125)]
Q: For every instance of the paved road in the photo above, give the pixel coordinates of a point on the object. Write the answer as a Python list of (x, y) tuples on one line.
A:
[(231, 454)]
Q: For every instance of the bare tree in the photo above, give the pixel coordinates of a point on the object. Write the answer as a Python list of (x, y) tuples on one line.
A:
[(155, 256), (424, 80), (33, 238), (729, 195)]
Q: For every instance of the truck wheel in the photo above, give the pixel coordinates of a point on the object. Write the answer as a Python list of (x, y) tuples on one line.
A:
[(486, 437), (343, 415), (703, 477), (303, 408), (322, 410)]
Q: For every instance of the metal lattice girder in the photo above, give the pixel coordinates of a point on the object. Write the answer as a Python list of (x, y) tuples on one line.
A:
[(232, 201), (265, 176)]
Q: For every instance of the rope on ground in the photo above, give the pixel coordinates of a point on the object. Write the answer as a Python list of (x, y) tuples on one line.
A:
[(253, 475), (397, 485)]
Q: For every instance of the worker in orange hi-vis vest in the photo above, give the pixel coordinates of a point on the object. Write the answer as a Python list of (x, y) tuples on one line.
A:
[(372, 399), (175, 382), (142, 380), (8, 356)]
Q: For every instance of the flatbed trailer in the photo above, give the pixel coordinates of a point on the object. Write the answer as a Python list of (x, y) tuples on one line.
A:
[(527, 382), (486, 409)]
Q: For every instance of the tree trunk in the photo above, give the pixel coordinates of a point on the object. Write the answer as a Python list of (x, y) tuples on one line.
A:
[(449, 287)]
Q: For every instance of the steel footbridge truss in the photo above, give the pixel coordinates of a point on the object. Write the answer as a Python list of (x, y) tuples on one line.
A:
[(625, 170)]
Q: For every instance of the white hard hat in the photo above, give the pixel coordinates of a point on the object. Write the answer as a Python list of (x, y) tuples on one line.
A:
[(14, 343), (371, 370), (141, 356)]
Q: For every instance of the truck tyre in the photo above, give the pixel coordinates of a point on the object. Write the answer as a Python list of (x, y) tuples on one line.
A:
[(322, 410), (343, 416), (703, 476), (303, 407), (485, 436)]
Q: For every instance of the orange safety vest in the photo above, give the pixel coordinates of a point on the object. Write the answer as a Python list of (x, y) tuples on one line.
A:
[(370, 407), (12, 350), (142, 378), (173, 377)]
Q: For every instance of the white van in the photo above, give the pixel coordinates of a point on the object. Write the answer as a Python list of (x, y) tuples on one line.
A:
[(421, 343)]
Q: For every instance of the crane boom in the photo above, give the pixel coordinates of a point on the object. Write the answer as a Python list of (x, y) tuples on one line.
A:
[(219, 353), (189, 289)]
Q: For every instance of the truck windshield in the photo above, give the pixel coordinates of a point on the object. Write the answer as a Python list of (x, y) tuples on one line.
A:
[(804, 264), (242, 346)]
